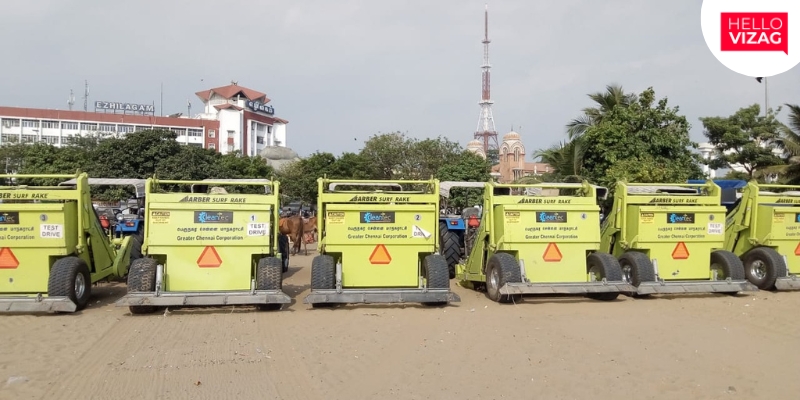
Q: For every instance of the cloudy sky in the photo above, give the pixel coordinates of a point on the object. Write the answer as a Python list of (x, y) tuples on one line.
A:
[(343, 70)]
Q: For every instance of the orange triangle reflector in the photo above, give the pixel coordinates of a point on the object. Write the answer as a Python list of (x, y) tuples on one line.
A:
[(380, 255), (7, 259), (797, 250), (680, 252), (552, 253), (209, 258)]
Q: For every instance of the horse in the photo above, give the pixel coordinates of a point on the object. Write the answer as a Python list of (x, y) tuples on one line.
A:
[(298, 230)]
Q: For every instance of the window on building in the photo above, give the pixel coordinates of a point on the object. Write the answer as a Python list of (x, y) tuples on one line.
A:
[(195, 132), (10, 123), (107, 128), (69, 125), (50, 139), (125, 128), (212, 133), (28, 138), (179, 131), (231, 133), (212, 146), (269, 128), (9, 138), (260, 139), (140, 128), (88, 127), (30, 123), (50, 124)]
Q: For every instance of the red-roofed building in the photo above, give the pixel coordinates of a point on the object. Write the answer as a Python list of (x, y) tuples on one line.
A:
[(234, 119)]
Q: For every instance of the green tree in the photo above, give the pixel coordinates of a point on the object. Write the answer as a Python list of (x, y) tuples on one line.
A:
[(745, 139), (388, 153), (790, 143), (467, 167), (606, 101), (644, 142)]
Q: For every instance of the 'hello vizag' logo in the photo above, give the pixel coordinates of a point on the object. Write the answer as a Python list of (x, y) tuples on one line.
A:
[(754, 31), (758, 39)]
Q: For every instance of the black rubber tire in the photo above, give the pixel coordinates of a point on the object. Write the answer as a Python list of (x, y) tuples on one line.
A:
[(136, 247), (451, 250), (142, 279), (61, 282), (606, 266), (442, 228), (435, 270), (283, 248), (508, 271), (641, 267), (269, 276), (732, 267), (773, 262), (323, 275)]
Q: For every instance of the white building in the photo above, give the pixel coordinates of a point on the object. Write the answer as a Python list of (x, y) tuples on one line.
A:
[(234, 119), (246, 122)]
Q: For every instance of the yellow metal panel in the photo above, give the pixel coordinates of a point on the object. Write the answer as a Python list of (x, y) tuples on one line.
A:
[(182, 272)]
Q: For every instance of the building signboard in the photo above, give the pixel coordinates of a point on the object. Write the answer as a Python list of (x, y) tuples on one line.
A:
[(260, 107), (125, 107)]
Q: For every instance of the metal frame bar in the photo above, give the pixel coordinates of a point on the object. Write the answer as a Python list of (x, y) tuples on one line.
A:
[(381, 296), (204, 298), (13, 304), (676, 287), (566, 288)]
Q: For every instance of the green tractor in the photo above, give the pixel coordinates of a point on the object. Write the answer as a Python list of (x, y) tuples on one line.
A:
[(204, 246), (53, 247), (669, 239), (763, 229), (538, 239), (378, 244)]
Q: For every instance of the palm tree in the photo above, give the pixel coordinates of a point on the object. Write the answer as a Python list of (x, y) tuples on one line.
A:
[(561, 157), (606, 101), (790, 144)]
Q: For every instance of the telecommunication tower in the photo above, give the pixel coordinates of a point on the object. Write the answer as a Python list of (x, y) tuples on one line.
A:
[(486, 131), (71, 100), (86, 96)]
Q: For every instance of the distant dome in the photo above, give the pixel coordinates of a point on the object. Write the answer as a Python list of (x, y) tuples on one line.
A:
[(511, 136), (474, 144)]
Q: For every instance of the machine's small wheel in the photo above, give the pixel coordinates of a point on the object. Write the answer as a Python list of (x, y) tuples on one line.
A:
[(283, 247), (136, 247), (502, 268), (451, 250), (323, 275), (142, 278), (69, 277), (637, 269), (763, 266), (604, 265), (269, 276)]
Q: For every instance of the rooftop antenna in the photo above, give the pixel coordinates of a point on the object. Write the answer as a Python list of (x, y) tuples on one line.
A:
[(189, 104), (86, 96), (71, 100)]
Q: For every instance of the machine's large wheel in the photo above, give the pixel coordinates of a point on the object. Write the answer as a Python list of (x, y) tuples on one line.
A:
[(762, 266), (69, 277), (451, 250), (727, 265), (323, 275), (136, 247), (269, 276), (435, 271), (604, 265), (142, 278), (283, 247), (502, 268), (637, 269)]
